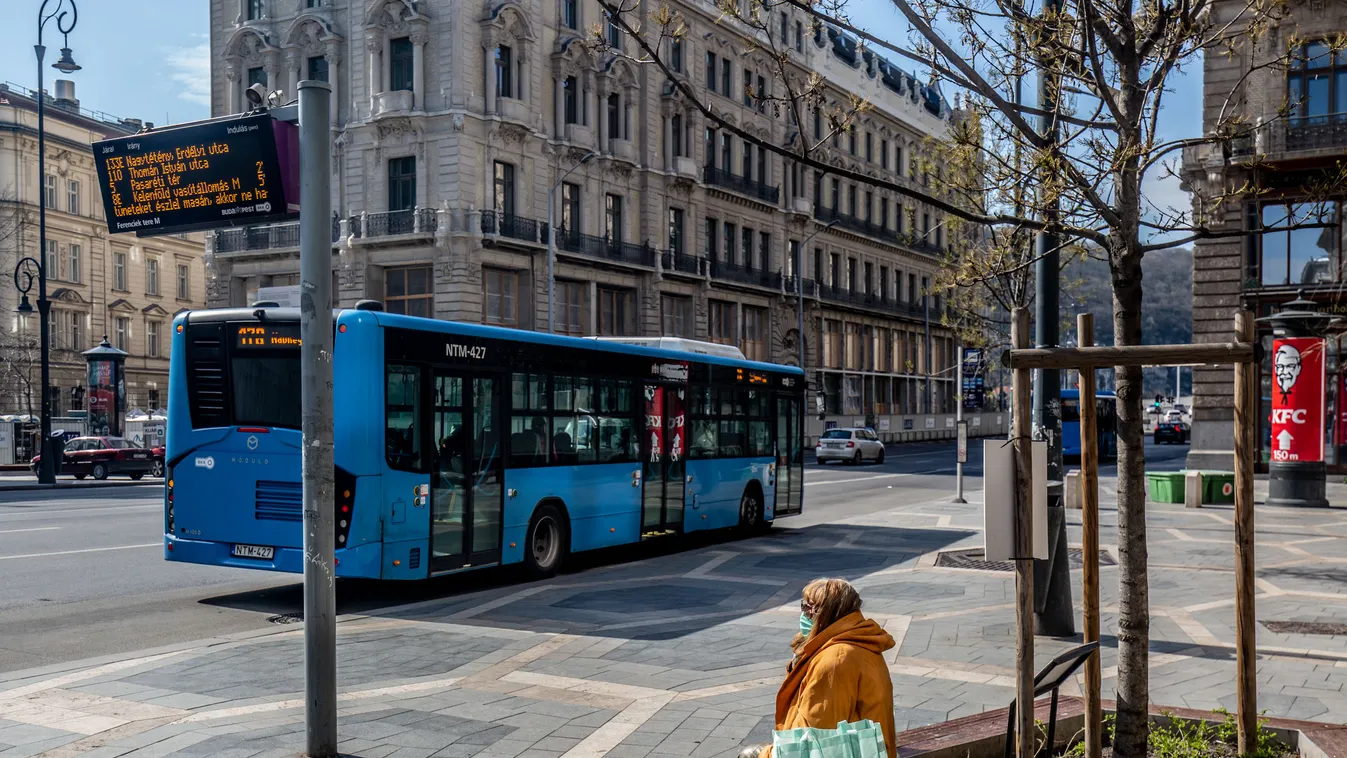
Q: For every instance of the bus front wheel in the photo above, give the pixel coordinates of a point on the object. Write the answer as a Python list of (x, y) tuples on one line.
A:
[(751, 519), (545, 546)]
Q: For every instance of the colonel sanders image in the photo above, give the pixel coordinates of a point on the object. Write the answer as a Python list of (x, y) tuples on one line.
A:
[(1286, 365)]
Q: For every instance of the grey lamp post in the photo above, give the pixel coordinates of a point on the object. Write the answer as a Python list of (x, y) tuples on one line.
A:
[(552, 241), (47, 467)]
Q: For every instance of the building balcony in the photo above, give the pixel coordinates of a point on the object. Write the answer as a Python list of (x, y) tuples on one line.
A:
[(513, 110), (801, 206), (740, 184), (877, 231), (392, 223), (733, 272), (602, 248), (510, 226), (622, 149), (871, 301), (686, 168), (579, 134), (681, 263), (389, 103), (1327, 132), (269, 237)]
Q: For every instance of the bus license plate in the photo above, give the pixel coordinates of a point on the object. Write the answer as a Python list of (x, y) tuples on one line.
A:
[(254, 551)]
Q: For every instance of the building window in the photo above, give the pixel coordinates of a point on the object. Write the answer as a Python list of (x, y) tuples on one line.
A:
[(793, 261), (726, 77), (77, 331), (152, 276), (612, 219), (50, 186), (676, 316), (832, 343), (731, 243), (676, 55), (254, 10), (676, 231), (407, 291), (869, 205), (154, 394), (570, 208), (615, 312), (869, 147), (726, 153), (184, 282), (711, 71), (500, 292), (318, 68), (762, 94), (851, 274), (570, 308), (851, 139), (504, 71), (835, 270), (570, 13), (884, 153), (1306, 255), (748, 87), (53, 262), (855, 348), (119, 271), (746, 245), (884, 212), (799, 36), (257, 75), (755, 334), (152, 339), (402, 183), (851, 199), (121, 333), (570, 95), (747, 159), (712, 237), (1316, 86), (764, 249), (72, 196), (615, 116), (75, 269), (400, 61), (721, 327), (676, 129), (503, 197)]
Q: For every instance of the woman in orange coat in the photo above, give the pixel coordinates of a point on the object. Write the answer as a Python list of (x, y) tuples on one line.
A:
[(838, 672)]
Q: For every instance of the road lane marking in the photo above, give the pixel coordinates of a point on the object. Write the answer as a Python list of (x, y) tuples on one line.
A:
[(76, 511), (32, 529), (875, 476), (85, 550)]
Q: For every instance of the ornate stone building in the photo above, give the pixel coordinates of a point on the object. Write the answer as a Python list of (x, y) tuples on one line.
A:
[(453, 120), (117, 285), (1290, 235)]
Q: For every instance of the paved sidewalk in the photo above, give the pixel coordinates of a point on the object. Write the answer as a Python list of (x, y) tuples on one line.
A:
[(681, 655), (12, 481)]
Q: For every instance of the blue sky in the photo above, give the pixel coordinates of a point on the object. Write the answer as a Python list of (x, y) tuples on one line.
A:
[(160, 71)]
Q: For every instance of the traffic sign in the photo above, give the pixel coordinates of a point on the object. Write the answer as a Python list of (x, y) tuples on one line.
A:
[(1298, 399), (218, 173)]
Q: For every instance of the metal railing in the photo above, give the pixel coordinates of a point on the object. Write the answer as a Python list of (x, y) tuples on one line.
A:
[(512, 226), (268, 237), (741, 184), (734, 272), (872, 229), (873, 301), (1316, 132), (605, 249), (681, 263), (389, 222)]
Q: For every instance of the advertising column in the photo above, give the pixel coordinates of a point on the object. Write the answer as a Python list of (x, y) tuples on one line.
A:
[(107, 389), (1299, 392)]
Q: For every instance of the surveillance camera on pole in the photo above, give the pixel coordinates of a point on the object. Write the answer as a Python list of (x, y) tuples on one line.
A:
[(256, 94)]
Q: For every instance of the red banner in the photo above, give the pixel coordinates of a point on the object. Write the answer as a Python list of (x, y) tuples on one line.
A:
[(654, 421), (1298, 393)]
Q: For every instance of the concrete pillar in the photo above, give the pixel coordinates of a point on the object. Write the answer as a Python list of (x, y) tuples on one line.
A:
[(375, 49), (418, 70), (489, 61)]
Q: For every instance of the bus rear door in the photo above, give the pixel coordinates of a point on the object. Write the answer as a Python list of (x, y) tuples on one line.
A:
[(663, 453)]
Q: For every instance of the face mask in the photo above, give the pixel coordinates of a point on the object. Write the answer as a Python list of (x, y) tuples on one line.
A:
[(806, 624)]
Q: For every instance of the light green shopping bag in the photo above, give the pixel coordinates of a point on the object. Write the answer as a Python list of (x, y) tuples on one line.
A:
[(846, 741)]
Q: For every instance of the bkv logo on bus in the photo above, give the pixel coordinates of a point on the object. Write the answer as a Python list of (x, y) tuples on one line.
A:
[(206, 462)]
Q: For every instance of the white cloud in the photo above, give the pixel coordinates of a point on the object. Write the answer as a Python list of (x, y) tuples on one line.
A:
[(189, 70)]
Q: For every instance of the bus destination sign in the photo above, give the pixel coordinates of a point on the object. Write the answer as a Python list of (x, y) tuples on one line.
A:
[(203, 176), (268, 335)]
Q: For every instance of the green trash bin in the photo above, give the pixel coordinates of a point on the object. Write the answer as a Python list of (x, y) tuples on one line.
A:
[(1165, 486), (1218, 487)]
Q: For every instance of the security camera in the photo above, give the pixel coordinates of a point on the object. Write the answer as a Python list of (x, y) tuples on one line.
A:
[(274, 98), (256, 94)]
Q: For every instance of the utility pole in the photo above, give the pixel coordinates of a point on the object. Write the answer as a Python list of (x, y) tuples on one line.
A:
[(1052, 578), (960, 430), (315, 355)]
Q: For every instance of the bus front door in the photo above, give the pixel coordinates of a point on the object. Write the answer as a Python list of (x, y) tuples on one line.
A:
[(467, 472), (663, 450), (789, 456)]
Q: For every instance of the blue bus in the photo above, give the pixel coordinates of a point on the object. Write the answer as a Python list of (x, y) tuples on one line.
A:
[(460, 446), (1106, 420)]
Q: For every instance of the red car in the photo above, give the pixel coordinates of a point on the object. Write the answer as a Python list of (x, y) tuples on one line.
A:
[(102, 457)]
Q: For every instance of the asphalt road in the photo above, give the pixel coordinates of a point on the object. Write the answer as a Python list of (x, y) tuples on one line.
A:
[(83, 575)]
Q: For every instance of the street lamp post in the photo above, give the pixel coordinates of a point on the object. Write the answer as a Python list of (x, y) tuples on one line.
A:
[(552, 241), (46, 466)]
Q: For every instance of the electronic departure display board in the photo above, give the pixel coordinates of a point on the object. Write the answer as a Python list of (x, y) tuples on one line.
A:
[(202, 176), (267, 336)]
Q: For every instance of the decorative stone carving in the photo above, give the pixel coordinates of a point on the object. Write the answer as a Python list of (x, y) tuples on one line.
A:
[(392, 127), (509, 134)]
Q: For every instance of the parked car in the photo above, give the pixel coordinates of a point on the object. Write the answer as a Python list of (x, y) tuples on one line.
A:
[(1171, 432), (101, 457), (157, 455), (851, 445)]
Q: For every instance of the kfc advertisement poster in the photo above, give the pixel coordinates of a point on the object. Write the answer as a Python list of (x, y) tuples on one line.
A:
[(1298, 393)]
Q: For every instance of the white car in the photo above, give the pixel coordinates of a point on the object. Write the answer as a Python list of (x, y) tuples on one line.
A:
[(850, 445)]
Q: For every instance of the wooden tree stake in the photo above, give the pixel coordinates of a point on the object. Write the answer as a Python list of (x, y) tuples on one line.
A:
[(1089, 492), (1246, 409), (1021, 385)]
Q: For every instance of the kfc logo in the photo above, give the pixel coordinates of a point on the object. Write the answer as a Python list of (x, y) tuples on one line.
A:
[(1286, 364)]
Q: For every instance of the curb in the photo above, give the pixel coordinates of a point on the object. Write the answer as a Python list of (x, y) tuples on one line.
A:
[(75, 485)]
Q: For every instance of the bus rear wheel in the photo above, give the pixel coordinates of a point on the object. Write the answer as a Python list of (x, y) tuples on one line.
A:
[(545, 543)]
